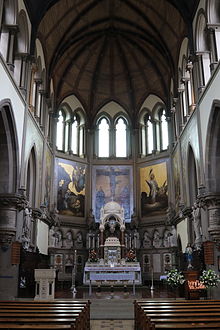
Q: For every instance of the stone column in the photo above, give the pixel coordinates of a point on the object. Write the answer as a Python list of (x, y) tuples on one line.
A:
[(213, 53), (212, 201), (122, 241), (9, 205), (101, 245)]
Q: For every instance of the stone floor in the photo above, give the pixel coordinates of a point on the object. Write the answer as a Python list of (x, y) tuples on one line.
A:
[(113, 309), (112, 325)]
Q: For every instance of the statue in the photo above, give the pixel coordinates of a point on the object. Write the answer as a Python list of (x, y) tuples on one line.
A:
[(79, 240), (196, 213), (166, 238), (146, 240), (136, 240), (69, 239), (189, 256), (156, 239), (51, 237), (173, 237), (26, 230), (58, 239)]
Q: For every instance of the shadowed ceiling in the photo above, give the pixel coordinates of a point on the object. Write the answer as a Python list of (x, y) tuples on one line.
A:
[(102, 50)]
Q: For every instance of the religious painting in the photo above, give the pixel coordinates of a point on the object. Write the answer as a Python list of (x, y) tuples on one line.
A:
[(70, 178), (113, 183), (47, 179), (153, 187), (176, 177)]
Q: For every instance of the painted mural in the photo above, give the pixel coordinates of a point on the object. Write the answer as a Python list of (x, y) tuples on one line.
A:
[(176, 176), (153, 185), (70, 187), (112, 183), (47, 180)]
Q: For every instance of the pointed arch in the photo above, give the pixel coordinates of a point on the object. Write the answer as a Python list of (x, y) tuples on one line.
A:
[(192, 176), (202, 49), (8, 149), (31, 176), (212, 160)]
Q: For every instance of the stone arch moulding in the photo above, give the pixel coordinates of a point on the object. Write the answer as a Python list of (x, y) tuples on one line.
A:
[(10, 150), (192, 176), (212, 171), (212, 149), (34, 171)]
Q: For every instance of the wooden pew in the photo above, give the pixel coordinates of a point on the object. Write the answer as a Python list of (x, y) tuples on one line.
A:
[(170, 314), (74, 315)]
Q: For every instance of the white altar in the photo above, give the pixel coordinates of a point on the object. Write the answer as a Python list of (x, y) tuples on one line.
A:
[(111, 268), (102, 275)]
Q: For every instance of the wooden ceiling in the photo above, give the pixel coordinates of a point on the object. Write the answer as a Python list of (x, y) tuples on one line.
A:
[(102, 50)]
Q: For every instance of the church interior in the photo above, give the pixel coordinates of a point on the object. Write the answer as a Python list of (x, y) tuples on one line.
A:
[(109, 144)]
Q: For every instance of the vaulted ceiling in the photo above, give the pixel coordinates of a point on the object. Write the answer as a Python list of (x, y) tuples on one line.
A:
[(103, 50)]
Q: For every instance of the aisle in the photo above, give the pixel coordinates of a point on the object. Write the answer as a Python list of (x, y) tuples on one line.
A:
[(112, 314), (112, 325), (112, 309)]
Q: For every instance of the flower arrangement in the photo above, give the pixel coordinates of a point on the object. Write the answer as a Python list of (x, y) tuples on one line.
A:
[(130, 257), (93, 256), (175, 278), (209, 278)]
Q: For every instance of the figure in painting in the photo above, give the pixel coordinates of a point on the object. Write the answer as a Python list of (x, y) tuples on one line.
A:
[(157, 198), (153, 185), (100, 201), (78, 178)]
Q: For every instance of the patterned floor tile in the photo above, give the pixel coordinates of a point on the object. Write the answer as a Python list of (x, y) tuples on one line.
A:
[(112, 325)]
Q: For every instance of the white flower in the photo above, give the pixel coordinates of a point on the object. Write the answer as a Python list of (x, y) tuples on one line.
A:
[(209, 278)]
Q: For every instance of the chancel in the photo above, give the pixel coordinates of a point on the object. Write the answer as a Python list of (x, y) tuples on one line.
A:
[(112, 267), (109, 150)]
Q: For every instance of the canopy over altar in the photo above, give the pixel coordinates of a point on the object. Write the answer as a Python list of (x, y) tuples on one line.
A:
[(112, 268)]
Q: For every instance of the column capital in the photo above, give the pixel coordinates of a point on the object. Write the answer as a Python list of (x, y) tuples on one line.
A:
[(16, 201)]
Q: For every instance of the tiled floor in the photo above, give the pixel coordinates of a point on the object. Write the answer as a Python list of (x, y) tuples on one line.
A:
[(112, 325)]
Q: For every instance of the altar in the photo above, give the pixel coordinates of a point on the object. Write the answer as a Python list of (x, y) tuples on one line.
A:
[(118, 275), (111, 268)]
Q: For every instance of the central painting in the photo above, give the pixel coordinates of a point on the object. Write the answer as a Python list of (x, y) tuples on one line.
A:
[(112, 183)]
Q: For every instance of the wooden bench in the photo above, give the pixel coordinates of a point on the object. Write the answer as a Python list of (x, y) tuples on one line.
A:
[(150, 315), (74, 315)]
